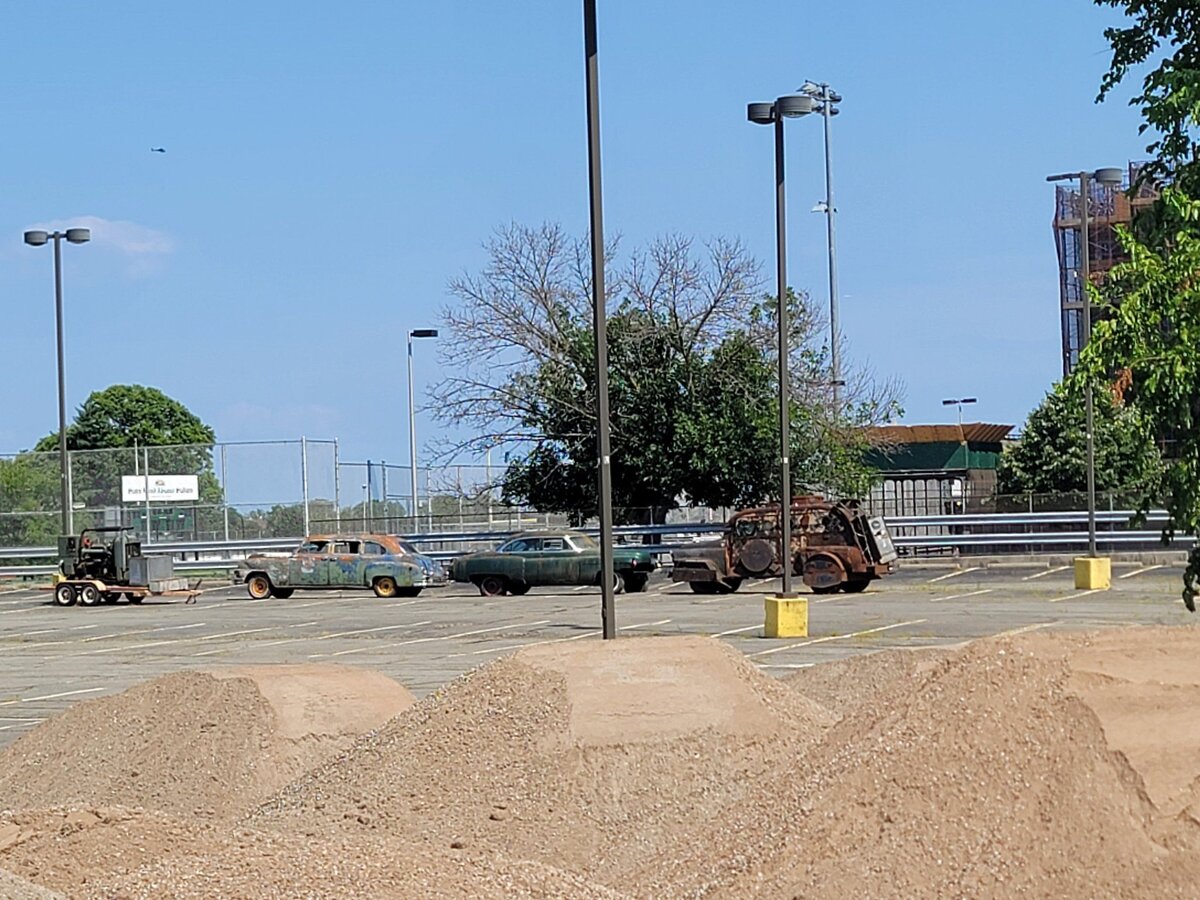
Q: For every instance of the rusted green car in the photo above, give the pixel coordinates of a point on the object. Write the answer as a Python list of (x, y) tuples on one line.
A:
[(541, 559), (382, 562)]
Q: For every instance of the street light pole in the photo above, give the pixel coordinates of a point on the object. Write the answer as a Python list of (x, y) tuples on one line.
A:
[(959, 404), (412, 417), (37, 239), (1109, 177), (764, 114), (826, 99)]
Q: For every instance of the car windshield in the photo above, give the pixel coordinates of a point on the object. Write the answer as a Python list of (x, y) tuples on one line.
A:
[(408, 548), (583, 542)]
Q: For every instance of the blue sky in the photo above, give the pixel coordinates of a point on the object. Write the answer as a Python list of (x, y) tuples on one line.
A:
[(330, 167)]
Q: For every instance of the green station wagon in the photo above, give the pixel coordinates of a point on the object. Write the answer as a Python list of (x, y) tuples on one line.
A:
[(543, 559), (381, 562)]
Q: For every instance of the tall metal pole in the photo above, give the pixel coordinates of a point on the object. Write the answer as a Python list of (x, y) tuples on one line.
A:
[(412, 436), (337, 487), (68, 514), (835, 333), (225, 490), (608, 613), (304, 479), (785, 470), (1085, 186)]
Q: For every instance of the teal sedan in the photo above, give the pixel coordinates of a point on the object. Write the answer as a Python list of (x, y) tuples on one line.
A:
[(543, 559)]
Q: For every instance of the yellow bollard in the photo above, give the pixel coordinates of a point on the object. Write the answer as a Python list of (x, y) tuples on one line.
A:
[(786, 617), (1093, 573)]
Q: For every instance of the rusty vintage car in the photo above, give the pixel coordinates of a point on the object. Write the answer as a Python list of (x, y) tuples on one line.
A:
[(835, 546), (382, 562)]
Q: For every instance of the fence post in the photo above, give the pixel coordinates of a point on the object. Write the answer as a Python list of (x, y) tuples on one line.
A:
[(304, 478), (225, 489), (146, 482), (337, 487)]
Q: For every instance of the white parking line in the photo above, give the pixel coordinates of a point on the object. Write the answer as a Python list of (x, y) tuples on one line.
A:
[(1075, 594), (101, 637), (954, 574), (1045, 572), (28, 723), (836, 637), (574, 637), (960, 596), (226, 649), (325, 637), (188, 640), (1025, 629), (736, 630), (49, 696), (1139, 571), (441, 637), (56, 630)]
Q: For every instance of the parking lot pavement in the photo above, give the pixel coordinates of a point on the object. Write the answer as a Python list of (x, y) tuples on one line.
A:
[(51, 657)]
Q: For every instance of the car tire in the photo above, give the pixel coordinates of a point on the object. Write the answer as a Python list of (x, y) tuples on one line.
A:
[(635, 582), (89, 595), (730, 585), (493, 585), (408, 592), (519, 588), (830, 589), (64, 595), (258, 586), (282, 593), (618, 582), (703, 587), (384, 586)]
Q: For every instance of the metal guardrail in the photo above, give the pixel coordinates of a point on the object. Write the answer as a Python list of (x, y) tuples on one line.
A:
[(994, 530)]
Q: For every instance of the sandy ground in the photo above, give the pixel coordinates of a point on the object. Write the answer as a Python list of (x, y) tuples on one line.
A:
[(1042, 766)]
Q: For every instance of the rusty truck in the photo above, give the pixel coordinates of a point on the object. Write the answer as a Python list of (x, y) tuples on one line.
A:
[(836, 545)]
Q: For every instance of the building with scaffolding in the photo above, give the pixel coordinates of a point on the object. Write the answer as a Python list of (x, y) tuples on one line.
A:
[(1107, 208)]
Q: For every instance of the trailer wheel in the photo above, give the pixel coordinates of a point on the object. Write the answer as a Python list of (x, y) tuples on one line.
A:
[(134, 598), (258, 586), (111, 596), (64, 594), (88, 595)]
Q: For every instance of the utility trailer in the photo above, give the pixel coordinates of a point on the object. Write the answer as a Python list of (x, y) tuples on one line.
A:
[(99, 565)]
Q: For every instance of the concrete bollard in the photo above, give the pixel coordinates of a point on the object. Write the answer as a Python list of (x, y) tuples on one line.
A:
[(786, 616), (1093, 573)]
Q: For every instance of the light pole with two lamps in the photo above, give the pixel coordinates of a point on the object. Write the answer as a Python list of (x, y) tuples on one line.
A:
[(826, 98), (1107, 177), (412, 416), (959, 403), (37, 239), (787, 107)]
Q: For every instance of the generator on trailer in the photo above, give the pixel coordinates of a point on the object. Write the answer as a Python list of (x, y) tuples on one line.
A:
[(100, 564)]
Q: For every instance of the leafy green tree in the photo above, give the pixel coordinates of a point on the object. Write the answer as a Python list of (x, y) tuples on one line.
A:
[(692, 389), (1052, 454), (29, 500), (1149, 340)]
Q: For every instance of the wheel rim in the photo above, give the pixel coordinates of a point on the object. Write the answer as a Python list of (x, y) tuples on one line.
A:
[(492, 586), (386, 587), (89, 596), (64, 595), (259, 587)]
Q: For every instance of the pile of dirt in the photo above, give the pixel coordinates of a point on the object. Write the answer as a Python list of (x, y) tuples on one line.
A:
[(590, 758), (164, 856), (208, 744), (13, 887), (870, 679)]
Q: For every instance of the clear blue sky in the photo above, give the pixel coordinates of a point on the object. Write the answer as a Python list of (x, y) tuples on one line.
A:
[(330, 167)]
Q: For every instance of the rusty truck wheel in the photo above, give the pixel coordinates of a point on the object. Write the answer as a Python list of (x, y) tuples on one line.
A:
[(282, 593), (703, 587), (88, 595), (855, 585), (492, 585), (385, 586), (258, 586), (827, 589), (64, 595)]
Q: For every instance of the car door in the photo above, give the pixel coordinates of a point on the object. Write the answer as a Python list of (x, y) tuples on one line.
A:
[(586, 559), (306, 567), (343, 565), (556, 562)]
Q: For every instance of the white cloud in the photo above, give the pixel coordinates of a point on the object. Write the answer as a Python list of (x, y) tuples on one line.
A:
[(143, 248)]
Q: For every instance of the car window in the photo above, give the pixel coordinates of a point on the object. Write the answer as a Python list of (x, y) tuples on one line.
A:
[(520, 545), (553, 544), (346, 547), (312, 547), (408, 548), (584, 541), (371, 548)]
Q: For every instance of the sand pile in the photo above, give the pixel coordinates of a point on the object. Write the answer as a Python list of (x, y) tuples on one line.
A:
[(209, 744), (13, 887), (591, 758), (844, 685), (110, 852)]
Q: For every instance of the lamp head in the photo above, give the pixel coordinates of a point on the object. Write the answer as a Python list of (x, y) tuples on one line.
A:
[(79, 235), (36, 238), (760, 113), (1109, 177), (423, 333), (794, 105)]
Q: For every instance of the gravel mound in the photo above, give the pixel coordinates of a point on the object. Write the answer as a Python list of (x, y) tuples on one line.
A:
[(197, 743), (594, 759), (164, 856), (13, 887), (846, 684)]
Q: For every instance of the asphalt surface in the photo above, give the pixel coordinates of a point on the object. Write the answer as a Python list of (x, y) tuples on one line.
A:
[(51, 657)]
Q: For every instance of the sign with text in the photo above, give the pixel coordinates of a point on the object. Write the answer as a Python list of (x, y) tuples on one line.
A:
[(161, 487)]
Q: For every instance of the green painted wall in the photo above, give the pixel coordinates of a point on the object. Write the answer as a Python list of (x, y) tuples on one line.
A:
[(933, 457)]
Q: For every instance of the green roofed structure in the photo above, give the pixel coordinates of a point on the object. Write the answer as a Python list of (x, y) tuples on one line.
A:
[(935, 469)]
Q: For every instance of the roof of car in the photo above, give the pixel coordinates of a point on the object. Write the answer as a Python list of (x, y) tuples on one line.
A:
[(544, 534)]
